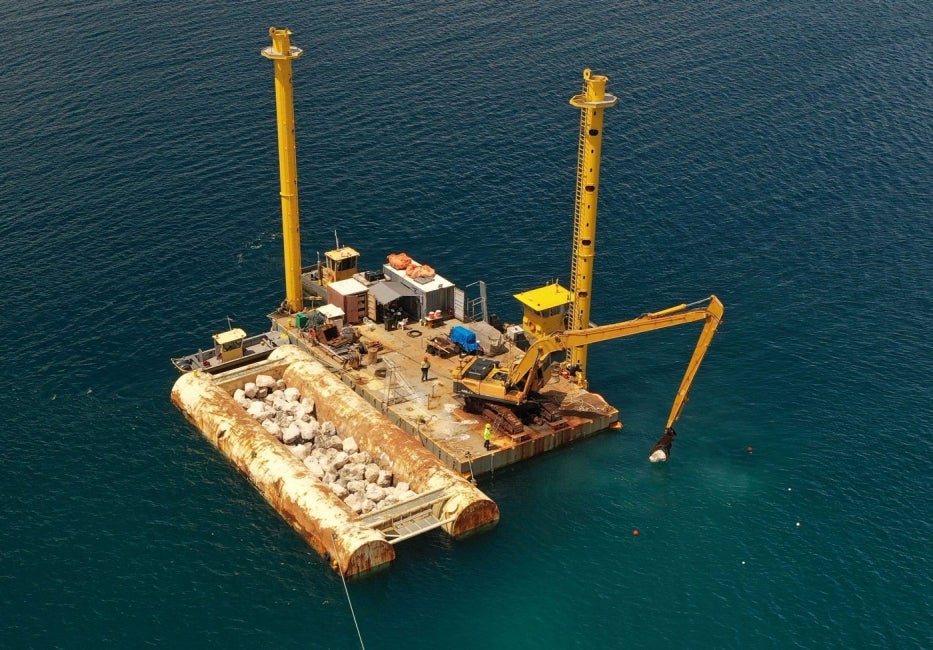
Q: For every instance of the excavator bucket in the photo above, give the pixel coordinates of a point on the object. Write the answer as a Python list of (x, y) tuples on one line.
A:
[(662, 448)]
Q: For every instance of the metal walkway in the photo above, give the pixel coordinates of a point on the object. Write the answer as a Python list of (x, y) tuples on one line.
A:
[(405, 520)]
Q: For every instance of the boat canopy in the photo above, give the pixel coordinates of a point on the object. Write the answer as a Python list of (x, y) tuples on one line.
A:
[(235, 334), (386, 292)]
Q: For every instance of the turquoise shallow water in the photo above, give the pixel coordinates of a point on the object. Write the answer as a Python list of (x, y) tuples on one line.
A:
[(777, 155)]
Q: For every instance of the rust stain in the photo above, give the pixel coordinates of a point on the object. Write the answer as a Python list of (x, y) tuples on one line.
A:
[(335, 531), (322, 519), (374, 432)]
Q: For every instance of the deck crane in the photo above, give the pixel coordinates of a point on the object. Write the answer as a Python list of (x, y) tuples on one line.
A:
[(479, 379)]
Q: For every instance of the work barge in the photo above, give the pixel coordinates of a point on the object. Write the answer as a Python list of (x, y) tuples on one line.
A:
[(390, 392)]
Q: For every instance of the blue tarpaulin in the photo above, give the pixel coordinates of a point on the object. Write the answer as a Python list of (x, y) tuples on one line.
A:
[(465, 338)]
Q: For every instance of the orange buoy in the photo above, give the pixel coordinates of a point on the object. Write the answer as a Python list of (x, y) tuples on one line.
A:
[(749, 450), (635, 533)]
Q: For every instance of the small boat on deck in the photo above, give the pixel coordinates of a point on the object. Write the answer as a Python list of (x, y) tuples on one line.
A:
[(232, 349)]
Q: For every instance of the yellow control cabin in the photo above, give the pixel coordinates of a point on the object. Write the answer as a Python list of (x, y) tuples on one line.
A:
[(229, 345), (339, 264), (544, 309)]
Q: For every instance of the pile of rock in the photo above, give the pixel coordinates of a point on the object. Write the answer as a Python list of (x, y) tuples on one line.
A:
[(352, 474)]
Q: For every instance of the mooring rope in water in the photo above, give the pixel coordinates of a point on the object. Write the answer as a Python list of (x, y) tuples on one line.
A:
[(347, 592)]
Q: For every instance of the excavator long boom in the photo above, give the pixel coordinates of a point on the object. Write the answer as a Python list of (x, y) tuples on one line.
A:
[(529, 373), (542, 349), (662, 448), (714, 316), (482, 379)]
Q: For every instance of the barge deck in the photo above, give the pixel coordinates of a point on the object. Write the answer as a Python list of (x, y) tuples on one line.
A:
[(389, 379)]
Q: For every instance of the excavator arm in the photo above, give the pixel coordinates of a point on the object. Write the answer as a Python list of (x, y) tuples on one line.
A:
[(540, 352), (525, 374), (662, 448)]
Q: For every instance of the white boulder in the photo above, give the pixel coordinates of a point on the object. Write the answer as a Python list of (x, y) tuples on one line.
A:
[(314, 467), (301, 413), (308, 430), (257, 410), (300, 451), (361, 457), (265, 381), (353, 472), (273, 428), (375, 493), (354, 501), (340, 459), (339, 490), (291, 435), (385, 479), (357, 486)]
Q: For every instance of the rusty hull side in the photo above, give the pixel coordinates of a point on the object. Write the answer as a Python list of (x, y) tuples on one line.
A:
[(322, 519), (470, 509)]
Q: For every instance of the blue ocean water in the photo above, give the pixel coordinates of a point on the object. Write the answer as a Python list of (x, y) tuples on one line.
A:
[(778, 155)]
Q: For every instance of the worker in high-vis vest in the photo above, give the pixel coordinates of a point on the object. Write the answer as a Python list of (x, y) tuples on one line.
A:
[(425, 366), (487, 435)]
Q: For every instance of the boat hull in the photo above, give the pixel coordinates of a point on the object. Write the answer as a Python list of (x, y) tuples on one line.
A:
[(255, 348)]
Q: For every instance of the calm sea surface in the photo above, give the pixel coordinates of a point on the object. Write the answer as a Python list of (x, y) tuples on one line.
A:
[(776, 154)]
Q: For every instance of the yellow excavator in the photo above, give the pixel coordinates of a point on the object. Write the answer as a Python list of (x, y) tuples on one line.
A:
[(481, 380)]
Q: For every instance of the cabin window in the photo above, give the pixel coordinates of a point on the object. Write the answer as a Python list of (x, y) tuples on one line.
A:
[(341, 265), (552, 311)]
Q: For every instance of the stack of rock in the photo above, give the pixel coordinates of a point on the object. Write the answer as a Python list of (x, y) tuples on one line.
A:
[(350, 473)]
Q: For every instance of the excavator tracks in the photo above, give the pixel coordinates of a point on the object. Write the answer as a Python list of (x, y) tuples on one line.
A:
[(503, 419)]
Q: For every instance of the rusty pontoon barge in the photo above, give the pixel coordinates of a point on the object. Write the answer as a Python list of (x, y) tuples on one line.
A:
[(368, 399)]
